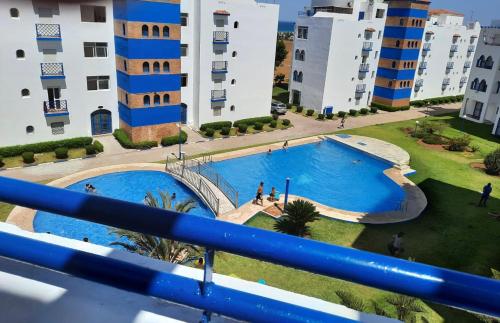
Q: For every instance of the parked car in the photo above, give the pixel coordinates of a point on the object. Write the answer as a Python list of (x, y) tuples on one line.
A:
[(278, 107)]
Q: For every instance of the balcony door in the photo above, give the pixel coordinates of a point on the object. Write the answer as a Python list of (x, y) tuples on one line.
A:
[(54, 96), (478, 108)]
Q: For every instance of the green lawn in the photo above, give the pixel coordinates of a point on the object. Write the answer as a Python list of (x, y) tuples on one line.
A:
[(451, 233), (43, 157)]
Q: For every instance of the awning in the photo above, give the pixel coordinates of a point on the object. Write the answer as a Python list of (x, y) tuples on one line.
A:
[(371, 30), (222, 13), (430, 32), (457, 35)]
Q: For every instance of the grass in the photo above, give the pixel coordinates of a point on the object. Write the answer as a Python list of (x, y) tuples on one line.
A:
[(17, 161), (451, 233), (280, 93)]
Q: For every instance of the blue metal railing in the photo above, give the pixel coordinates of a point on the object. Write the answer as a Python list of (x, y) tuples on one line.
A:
[(435, 284)]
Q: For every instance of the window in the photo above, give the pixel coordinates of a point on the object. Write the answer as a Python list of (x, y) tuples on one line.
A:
[(184, 50), (166, 98), (236, 25), (235, 54), (156, 31), (474, 84), (379, 34), (166, 31), (156, 67), (124, 29), (93, 13), (145, 31), (57, 128), (373, 74), (14, 12), (125, 65), (30, 129), (126, 98), (398, 43), (498, 87), (95, 83), (166, 67), (401, 22), (413, 22), (95, 49), (26, 93), (145, 67), (233, 82), (300, 77), (390, 83), (393, 64), (217, 111), (297, 54), (380, 13), (20, 53), (184, 19), (302, 32), (146, 100), (184, 80), (482, 86), (157, 99), (376, 54), (232, 108)]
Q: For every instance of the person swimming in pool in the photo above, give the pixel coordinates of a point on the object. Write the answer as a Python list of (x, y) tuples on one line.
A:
[(89, 188)]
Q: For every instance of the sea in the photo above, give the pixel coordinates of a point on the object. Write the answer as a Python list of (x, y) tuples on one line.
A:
[(286, 26)]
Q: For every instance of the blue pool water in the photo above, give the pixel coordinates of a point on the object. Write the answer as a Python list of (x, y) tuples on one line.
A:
[(128, 186), (328, 172)]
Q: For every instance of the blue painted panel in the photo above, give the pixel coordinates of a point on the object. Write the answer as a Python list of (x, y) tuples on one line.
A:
[(361, 15), (134, 10), (396, 74), (148, 82), (400, 54), (149, 116), (406, 12), (403, 32), (148, 48), (395, 94)]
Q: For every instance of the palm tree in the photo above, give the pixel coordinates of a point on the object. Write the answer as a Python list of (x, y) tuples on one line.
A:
[(159, 248), (406, 307), (349, 300), (297, 214)]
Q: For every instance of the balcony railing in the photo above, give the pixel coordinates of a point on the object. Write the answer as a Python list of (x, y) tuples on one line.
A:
[(364, 68), (454, 48), (446, 82), (437, 285), (219, 67), (426, 47), (463, 81), (52, 70), (367, 46), (55, 107), (450, 65), (361, 88), (422, 66), (467, 64), (218, 95), (221, 37), (471, 49), (419, 83), (48, 31)]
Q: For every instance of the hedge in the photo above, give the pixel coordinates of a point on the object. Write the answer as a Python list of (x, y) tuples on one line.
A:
[(353, 112), (342, 114), (310, 112), (373, 109), (259, 126), (437, 100), (363, 111), (273, 124), (242, 128), (286, 122), (216, 125), (321, 116), (98, 146), (209, 132), (225, 131), (47, 146), (253, 121), (61, 153), (329, 116), (125, 141), (174, 140), (299, 109), (28, 157), (389, 108), (90, 150), (2, 164)]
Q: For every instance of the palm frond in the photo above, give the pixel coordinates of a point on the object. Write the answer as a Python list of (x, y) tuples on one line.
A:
[(349, 300)]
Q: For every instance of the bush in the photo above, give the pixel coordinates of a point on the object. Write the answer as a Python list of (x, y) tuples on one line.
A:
[(389, 108), (275, 116), (253, 121), (98, 146), (61, 153), (363, 111), (491, 162), (2, 164), (216, 125), (300, 109), (259, 126), (373, 109), (286, 122), (225, 131), (459, 144), (329, 116), (28, 157), (405, 108), (122, 137), (47, 146), (353, 112), (342, 114), (209, 132), (174, 140), (90, 150), (242, 128), (289, 106), (433, 139), (321, 116), (273, 124), (309, 112)]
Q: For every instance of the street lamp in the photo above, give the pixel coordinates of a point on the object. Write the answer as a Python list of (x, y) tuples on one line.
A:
[(180, 140), (416, 128)]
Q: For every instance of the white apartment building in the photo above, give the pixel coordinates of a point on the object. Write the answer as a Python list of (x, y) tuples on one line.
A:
[(446, 55), (58, 75), (482, 98), (336, 52), (228, 50)]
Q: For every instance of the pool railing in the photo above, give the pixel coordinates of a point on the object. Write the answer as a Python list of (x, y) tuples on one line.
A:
[(448, 287)]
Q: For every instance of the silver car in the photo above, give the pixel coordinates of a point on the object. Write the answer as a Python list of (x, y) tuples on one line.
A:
[(278, 107)]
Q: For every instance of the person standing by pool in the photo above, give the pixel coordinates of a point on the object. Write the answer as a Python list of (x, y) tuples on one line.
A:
[(342, 123), (487, 189), (258, 196), (272, 195), (285, 145)]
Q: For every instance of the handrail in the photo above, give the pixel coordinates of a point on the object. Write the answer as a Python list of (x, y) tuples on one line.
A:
[(435, 284)]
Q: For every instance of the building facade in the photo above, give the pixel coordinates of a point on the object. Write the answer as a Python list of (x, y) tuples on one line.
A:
[(58, 75), (336, 52), (228, 51), (482, 98), (446, 55)]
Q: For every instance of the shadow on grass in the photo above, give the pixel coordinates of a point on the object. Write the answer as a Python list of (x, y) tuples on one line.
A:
[(475, 129)]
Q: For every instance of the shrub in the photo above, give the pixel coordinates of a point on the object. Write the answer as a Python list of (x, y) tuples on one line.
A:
[(98, 146), (216, 125), (459, 144), (174, 140), (275, 116), (61, 153), (296, 218), (309, 112), (28, 157), (405, 108), (373, 109), (492, 162), (242, 128), (47, 146), (259, 126), (353, 112), (363, 111), (122, 137), (273, 124), (209, 132), (342, 114), (2, 164), (289, 106), (286, 122), (300, 109), (433, 139), (349, 300), (253, 121), (386, 107), (329, 116), (321, 116), (225, 131)]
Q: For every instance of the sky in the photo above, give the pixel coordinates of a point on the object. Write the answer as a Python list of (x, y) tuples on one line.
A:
[(482, 10)]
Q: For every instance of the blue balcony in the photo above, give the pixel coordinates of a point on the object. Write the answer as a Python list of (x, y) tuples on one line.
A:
[(48, 32), (52, 71), (219, 67), (367, 47), (449, 66), (218, 95), (364, 68), (221, 37), (55, 108), (471, 49), (426, 47)]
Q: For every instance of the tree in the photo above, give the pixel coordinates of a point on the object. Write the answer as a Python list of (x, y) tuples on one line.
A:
[(406, 307), (278, 79), (281, 53), (159, 248), (297, 215), (492, 162), (349, 300)]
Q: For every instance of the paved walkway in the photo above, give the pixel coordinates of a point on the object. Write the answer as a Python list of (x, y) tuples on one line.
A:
[(303, 127)]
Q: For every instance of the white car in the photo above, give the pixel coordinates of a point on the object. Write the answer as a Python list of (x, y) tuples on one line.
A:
[(278, 107)]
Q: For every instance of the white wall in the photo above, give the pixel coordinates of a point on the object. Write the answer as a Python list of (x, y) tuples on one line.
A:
[(16, 113)]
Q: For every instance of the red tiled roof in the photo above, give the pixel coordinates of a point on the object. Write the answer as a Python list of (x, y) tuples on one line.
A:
[(222, 12), (437, 12)]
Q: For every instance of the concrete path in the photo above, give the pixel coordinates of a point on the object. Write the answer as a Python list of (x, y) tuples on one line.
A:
[(111, 146), (303, 127)]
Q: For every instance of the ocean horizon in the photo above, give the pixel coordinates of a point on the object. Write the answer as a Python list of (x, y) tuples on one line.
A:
[(286, 26)]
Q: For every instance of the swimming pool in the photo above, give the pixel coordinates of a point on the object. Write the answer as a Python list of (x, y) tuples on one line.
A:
[(129, 186), (327, 172)]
